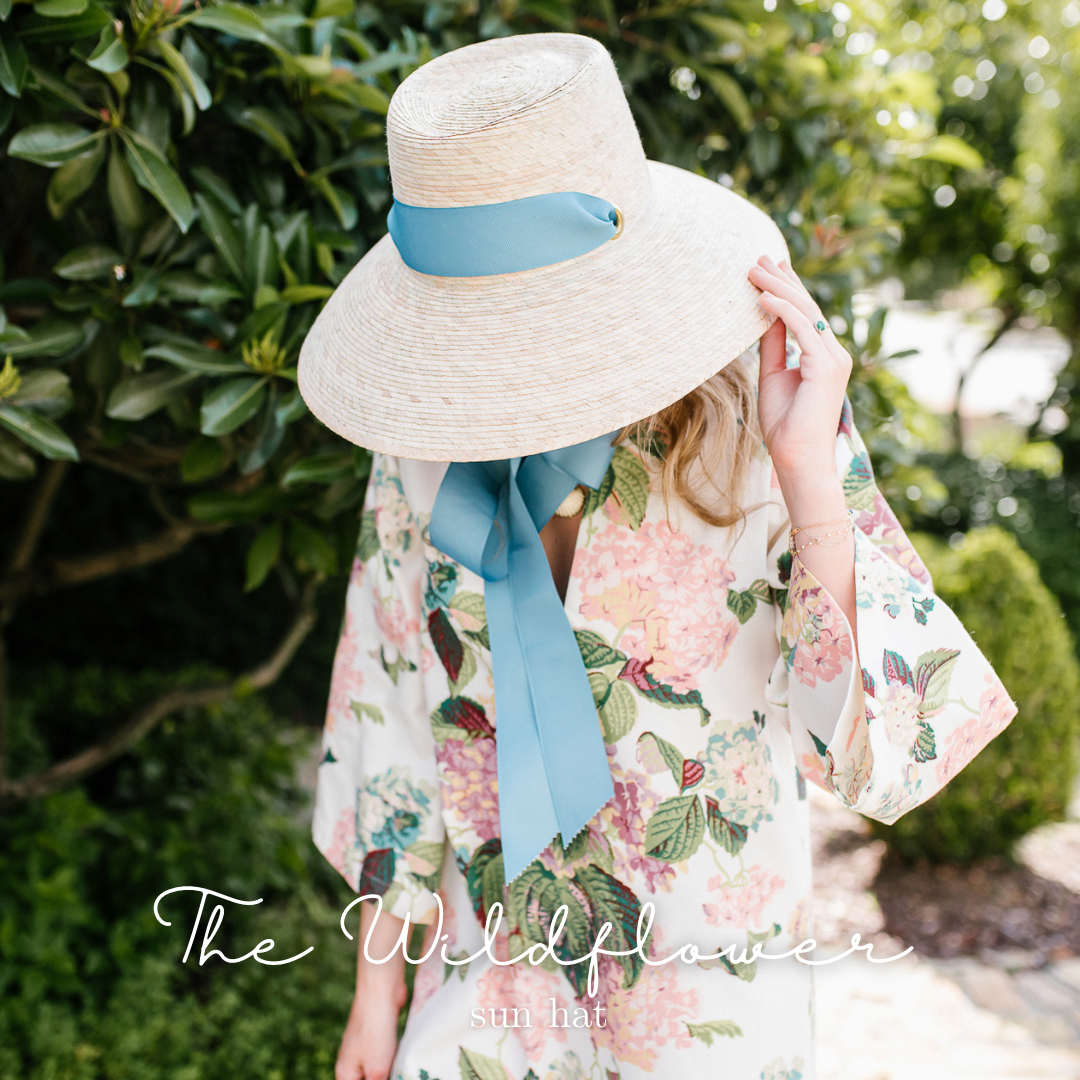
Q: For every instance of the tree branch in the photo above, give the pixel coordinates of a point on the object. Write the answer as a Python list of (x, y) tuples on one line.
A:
[(36, 516), (145, 719), (53, 574), (1008, 321)]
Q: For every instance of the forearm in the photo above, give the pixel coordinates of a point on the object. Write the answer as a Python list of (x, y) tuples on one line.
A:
[(812, 500), (379, 981)]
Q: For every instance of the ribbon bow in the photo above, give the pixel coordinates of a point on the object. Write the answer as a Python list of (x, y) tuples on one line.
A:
[(553, 771)]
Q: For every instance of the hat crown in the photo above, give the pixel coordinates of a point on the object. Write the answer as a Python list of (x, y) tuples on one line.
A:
[(512, 118)]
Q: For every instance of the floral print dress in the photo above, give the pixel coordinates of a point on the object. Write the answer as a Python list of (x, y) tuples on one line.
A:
[(726, 679)]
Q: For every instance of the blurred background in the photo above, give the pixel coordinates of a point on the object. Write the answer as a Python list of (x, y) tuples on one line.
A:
[(182, 185)]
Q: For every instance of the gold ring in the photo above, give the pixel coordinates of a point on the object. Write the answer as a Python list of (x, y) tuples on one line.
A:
[(618, 222)]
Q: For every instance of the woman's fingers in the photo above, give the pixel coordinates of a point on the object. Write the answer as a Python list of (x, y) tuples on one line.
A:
[(786, 284), (773, 350)]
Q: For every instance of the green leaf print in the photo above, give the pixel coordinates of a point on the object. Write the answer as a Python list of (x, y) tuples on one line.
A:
[(631, 487), (657, 754), (368, 542), (730, 835), (925, 747), (425, 862), (484, 877), (447, 644), (742, 605), (600, 685), (595, 651), (619, 712), (470, 611), (676, 829), (896, 669), (713, 1028), (746, 971), (464, 713), (859, 490), (536, 894), (474, 1066), (377, 872), (396, 667), (613, 902), (636, 673), (933, 671), (372, 712), (466, 673), (595, 498)]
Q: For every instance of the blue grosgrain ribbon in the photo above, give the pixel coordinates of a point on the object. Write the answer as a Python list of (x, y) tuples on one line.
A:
[(553, 769), (500, 238)]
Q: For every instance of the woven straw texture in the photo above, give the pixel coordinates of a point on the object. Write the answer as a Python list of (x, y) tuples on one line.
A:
[(478, 368)]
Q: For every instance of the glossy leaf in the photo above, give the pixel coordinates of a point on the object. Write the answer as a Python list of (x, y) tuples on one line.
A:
[(195, 86), (45, 28), (60, 9), (46, 391), (223, 235), (139, 396), (123, 190), (311, 547), (72, 179), (47, 338), (195, 358), (38, 432), (91, 262), (111, 54), (154, 174), (262, 556), (13, 64), (320, 469), (235, 20), (51, 144), (230, 404), (302, 294)]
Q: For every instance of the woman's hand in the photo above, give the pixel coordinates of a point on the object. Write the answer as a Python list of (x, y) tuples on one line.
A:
[(799, 408), (799, 411), (370, 1040)]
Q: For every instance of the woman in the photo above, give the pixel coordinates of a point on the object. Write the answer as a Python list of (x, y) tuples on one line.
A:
[(744, 611)]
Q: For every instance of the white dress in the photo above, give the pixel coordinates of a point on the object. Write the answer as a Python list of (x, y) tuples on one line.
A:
[(726, 680)]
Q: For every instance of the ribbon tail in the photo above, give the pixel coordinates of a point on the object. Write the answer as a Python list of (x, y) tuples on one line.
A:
[(571, 745), (527, 818)]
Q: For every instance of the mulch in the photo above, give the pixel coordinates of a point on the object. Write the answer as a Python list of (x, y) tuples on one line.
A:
[(950, 911)]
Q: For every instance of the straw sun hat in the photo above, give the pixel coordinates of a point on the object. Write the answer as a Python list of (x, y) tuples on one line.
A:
[(494, 365)]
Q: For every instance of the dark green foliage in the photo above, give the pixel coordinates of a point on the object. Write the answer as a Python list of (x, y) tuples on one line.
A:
[(1023, 777), (91, 985)]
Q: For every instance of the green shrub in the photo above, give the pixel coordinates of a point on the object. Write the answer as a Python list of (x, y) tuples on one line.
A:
[(91, 985), (1023, 777)]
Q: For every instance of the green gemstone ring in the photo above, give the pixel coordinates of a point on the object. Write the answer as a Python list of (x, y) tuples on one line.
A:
[(819, 326)]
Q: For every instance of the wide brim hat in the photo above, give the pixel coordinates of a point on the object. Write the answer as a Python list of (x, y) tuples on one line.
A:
[(495, 365)]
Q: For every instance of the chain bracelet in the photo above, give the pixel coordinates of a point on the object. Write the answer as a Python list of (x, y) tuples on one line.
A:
[(824, 539)]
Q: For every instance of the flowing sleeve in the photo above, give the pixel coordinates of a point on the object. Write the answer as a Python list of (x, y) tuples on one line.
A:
[(378, 817), (886, 726)]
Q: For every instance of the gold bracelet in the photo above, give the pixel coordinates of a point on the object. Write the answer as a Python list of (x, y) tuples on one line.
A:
[(823, 539)]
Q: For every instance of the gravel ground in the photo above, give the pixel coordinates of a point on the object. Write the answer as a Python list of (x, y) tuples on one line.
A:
[(991, 990)]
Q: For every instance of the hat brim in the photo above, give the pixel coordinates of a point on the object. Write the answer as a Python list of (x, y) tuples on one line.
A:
[(481, 368)]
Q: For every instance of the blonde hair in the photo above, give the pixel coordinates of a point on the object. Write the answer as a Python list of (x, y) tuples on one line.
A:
[(703, 444)]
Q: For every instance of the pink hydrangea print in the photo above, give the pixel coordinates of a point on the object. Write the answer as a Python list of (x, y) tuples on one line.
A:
[(665, 594), (468, 784), (347, 677), (524, 987), (627, 815), (740, 905), (652, 1013)]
